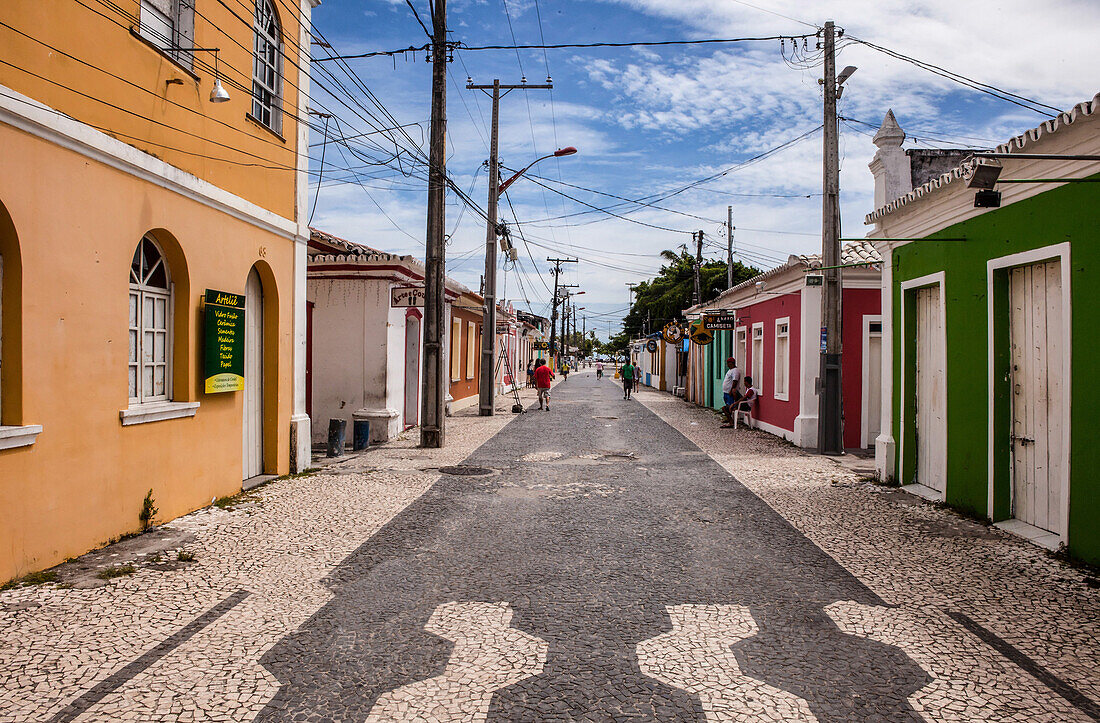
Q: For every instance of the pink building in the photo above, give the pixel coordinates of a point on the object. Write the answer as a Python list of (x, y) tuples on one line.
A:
[(776, 341)]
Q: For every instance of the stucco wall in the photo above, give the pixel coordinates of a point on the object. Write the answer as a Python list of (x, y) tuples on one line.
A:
[(856, 304), (174, 122), (1069, 213), (77, 223)]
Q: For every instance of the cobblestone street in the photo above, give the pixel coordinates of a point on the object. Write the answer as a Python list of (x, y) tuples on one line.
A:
[(607, 560)]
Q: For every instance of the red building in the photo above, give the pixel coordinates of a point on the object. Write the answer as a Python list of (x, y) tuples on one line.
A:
[(776, 341)]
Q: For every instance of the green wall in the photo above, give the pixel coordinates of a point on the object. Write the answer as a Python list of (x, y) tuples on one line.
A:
[(715, 355), (1069, 213)]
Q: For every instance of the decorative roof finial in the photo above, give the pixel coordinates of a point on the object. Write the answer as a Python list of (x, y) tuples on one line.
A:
[(890, 133)]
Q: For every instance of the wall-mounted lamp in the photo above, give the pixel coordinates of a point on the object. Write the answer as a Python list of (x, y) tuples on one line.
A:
[(218, 94), (983, 173)]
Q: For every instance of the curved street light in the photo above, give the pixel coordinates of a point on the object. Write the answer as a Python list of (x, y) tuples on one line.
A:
[(567, 151)]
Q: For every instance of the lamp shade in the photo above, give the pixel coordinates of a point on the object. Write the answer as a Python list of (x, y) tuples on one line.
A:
[(218, 94)]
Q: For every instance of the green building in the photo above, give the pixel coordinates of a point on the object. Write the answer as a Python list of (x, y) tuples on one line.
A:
[(990, 375)]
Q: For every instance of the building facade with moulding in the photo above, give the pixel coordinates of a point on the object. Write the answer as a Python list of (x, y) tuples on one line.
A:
[(775, 341), (365, 340), (126, 192), (989, 399)]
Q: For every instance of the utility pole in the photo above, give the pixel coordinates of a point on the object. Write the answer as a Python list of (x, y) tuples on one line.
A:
[(487, 383), (830, 438), (556, 271), (729, 247), (435, 393), (698, 298)]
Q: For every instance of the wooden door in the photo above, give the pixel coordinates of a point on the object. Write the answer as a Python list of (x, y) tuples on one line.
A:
[(412, 370), (253, 422), (872, 383), (1035, 376), (931, 397)]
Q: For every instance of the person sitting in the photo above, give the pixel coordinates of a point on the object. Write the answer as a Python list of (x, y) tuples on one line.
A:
[(730, 390), (744, 403)]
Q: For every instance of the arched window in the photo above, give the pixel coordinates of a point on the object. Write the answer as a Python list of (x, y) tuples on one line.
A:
[(150, 325), (266, 76)]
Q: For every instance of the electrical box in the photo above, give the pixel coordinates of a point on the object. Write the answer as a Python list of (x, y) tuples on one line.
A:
[(814, 280)]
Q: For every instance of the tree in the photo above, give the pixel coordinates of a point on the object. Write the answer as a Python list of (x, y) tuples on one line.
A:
[(663, 298)]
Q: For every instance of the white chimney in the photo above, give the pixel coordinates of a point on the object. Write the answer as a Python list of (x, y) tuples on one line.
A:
[(890, 166)]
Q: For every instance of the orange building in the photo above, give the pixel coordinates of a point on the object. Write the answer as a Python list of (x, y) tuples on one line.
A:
[(465, 349), (152, 153)]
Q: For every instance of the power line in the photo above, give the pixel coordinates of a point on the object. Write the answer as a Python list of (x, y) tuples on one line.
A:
[(994, 91), (560, 46)]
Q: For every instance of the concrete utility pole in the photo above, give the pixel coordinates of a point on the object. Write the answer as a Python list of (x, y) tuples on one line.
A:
[(487, 383), (434, 388), (698, 298), (556, 271), (729, 247), (565, 318), (830, 439)]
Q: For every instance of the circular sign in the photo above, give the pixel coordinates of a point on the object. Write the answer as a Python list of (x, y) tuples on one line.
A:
[(651, 345), (672, 332), (700, 334)]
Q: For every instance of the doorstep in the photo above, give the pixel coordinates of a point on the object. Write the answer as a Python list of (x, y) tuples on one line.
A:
[(1036, 535)]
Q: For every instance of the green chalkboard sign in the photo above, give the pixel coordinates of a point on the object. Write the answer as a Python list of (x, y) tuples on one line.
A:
[(223, 332)]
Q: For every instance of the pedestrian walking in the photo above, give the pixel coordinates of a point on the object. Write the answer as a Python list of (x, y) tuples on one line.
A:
[(543, 377), (565, 371), (628, 372), (599, 370), (530, 374), (730, 390)]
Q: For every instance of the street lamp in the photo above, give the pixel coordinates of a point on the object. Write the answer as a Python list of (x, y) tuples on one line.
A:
[(487, 383), (567, 151)]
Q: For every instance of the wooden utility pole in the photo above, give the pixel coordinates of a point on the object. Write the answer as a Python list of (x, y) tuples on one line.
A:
[(698, 298), (487, 384), (729, 247), (830, 438), (434, 390)]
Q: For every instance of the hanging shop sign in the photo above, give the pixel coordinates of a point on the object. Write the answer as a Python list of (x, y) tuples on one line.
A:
[(651, 345), (719, 322), (223, 337), (699, 333), (541, 345), (406, 296), (672, 332)]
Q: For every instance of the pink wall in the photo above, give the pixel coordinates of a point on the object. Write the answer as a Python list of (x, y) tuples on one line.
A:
[(768, 408), (855, 304)]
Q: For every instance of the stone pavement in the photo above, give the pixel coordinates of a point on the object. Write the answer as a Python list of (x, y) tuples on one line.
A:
[(608, 560)]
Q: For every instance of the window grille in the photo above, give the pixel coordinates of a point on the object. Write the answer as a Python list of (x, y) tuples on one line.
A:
[(149, 324), (266, 76)]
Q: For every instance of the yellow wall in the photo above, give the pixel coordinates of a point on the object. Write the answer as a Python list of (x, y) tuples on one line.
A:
[(176, 123), (82, 482)]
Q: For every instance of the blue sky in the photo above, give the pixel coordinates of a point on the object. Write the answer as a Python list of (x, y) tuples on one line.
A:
[(648, 121)]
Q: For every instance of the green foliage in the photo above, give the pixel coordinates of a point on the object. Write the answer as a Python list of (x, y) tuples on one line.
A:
[(662, 299), (148, 511), (184, 556), (109, 573)]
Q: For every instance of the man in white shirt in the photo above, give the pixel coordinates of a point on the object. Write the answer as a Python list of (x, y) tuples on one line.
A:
[(730, 390)]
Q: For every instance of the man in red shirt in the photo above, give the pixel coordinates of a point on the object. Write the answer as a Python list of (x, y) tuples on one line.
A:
[(543, 376)]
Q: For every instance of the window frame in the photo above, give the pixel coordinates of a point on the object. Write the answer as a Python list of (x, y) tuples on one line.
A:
[(757, 363), (180, 19), (782, 380), (262, 43), (471, 350), (148, 293), (456, 348)]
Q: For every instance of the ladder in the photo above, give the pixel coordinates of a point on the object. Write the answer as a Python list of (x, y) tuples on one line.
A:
[(517, 408)]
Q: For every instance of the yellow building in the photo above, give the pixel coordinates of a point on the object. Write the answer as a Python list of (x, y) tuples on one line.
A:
[(129, 186)]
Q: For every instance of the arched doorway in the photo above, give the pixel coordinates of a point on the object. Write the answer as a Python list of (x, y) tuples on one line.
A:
[(253, 415), (412, 368)]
